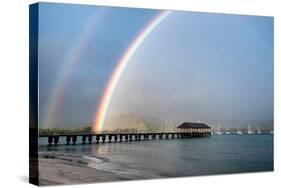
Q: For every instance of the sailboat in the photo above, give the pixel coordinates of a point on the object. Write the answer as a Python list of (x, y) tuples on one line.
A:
[(238, 131), (250, 130), (218, 132), (259, 130), (227, 132)]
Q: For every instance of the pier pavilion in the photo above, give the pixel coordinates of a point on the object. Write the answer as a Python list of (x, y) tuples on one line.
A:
[(191, 129)]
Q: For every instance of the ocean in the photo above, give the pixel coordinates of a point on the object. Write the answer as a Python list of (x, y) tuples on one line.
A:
[(218, 154)]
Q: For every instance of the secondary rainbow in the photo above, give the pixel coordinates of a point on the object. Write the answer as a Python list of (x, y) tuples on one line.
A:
[(100, 116), (68, 64)]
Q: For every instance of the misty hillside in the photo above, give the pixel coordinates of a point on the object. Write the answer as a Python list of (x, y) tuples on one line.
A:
[(133, 121)]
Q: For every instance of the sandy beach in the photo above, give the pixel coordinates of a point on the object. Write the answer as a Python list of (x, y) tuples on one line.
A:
[(55, 169)]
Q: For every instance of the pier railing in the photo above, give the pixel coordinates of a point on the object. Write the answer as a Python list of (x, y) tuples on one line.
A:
[(118, 137)]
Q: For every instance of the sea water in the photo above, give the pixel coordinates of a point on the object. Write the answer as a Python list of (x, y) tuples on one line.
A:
[(176, 157)]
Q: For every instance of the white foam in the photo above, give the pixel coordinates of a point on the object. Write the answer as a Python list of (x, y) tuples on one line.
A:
[(94, 159)]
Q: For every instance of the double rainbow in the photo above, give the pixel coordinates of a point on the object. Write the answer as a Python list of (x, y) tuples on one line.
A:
[(72, 59)]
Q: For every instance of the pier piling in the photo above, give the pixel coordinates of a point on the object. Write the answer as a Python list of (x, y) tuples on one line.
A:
[(56, 140), (50, 140), (89, 139), (74, 138)]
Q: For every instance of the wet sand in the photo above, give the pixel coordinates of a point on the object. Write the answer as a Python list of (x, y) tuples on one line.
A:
[(55, 169)]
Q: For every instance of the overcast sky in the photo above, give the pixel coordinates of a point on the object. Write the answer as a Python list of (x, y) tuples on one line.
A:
[(193, 65)]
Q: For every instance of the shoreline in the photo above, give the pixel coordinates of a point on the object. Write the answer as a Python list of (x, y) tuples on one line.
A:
[(59, 169)]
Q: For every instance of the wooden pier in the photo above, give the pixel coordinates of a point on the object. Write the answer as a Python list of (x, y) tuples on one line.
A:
[(187, 130), (118, 137)]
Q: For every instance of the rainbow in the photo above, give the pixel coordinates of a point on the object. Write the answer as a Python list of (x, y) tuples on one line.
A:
[(68, 63), (100, 116)]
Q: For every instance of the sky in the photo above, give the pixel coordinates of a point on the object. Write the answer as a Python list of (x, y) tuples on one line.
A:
[(191, 66)]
